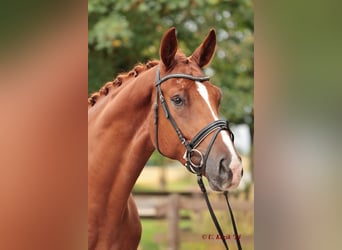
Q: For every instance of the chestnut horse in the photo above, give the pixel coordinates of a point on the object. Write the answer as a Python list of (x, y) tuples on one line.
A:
[(165, 105)]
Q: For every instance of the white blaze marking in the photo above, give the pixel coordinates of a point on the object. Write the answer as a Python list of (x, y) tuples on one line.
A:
[(204, 93), (235, 163)]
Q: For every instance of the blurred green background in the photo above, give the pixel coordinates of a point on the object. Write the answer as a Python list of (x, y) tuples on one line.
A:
[(123, 33)]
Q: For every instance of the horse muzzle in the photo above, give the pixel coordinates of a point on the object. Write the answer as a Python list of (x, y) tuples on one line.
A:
[(224, 174)]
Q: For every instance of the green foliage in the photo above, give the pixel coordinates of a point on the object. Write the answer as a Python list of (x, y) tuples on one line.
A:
[(124, 32), (110, 32)]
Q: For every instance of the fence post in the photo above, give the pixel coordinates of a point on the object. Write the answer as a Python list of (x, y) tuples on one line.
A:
[(173, 217)]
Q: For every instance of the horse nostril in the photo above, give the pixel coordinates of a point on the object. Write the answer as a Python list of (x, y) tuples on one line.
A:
[(241, 172), (230, 174), (222, 167), (224, 170)]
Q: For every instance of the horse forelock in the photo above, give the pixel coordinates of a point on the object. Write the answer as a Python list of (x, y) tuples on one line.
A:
[(119, 80)]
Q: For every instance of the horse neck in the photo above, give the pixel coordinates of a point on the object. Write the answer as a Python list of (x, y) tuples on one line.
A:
[(119, 138)]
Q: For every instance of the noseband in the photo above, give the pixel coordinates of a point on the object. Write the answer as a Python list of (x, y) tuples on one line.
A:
[(191, 146)]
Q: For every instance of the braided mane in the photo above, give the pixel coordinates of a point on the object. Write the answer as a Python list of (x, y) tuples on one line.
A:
[(119, 80)]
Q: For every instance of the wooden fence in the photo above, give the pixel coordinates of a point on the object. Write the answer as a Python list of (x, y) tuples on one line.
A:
[(167, 205)]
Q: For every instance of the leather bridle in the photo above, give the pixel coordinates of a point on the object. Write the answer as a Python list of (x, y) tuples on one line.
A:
[(190, 146)]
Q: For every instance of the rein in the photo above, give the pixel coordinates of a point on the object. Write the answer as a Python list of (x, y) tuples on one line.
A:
[(190, 146)]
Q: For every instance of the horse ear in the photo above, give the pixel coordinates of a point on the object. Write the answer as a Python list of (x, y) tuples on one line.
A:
[(204, 53), (168, 47)]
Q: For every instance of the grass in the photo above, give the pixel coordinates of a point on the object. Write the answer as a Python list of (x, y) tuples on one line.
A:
[(150, 230), (154, 236)]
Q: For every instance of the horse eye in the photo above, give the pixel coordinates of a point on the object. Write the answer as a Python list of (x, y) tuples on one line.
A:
[(177, 100)]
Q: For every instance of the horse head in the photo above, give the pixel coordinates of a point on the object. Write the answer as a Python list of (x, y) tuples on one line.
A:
[(186, 123)]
